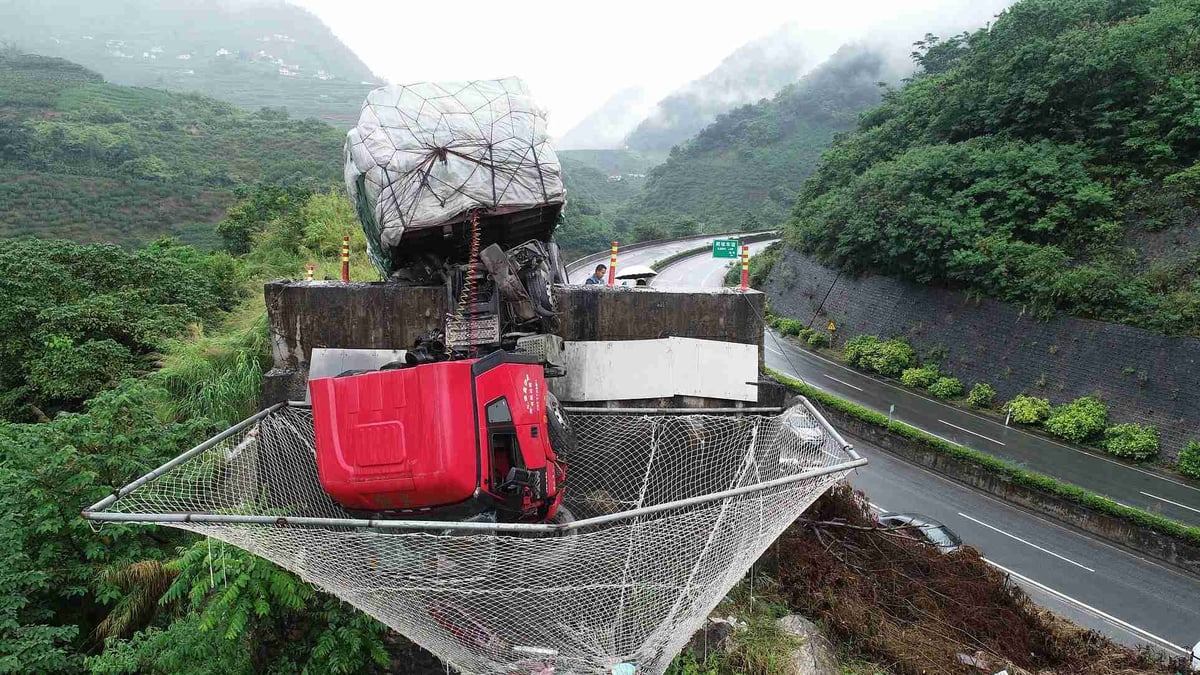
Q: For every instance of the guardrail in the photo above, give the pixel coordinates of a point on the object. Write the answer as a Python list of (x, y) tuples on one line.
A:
[(602, 256)]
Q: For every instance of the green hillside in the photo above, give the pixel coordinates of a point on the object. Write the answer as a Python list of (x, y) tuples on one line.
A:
[(1051, 160), (755, 70), (96, 162), (252, 53), (744, 170)]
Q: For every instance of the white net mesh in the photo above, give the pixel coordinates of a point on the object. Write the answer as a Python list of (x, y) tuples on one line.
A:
[(654, 547)]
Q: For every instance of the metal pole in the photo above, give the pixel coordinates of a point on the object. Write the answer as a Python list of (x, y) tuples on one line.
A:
[(93, 512), (745, 267), (108, 501), (672, 411), (612, 265), (829, 427)]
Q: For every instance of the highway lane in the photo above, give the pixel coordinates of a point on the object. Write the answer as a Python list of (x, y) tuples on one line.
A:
[(578, 270), (1125, 484), (1120, 482), (700, 270), (1130, 598)]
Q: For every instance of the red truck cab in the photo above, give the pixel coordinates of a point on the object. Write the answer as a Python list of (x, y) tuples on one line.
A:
[(451, 439)]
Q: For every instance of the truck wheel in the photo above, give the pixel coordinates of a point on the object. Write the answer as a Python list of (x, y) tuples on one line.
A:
[(541, 291), (558, 425)]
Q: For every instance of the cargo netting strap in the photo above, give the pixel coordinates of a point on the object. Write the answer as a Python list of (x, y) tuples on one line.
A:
[(669, 512)]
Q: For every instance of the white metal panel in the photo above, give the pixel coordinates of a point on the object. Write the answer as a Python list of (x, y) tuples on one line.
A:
[(714, 369), (632, 369), (329, 362), (605, 370)]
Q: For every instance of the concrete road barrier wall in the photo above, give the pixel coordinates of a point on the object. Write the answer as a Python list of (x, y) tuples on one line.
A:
[(304, 315)]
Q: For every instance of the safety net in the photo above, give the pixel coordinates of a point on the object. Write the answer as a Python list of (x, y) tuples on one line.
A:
[(667, 513), (424, 154)]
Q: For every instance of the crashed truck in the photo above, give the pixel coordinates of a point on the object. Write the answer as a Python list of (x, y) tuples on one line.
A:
[(456, 186), (448, 493)]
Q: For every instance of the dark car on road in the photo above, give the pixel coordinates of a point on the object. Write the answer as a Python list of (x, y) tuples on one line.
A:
[(931, 530)]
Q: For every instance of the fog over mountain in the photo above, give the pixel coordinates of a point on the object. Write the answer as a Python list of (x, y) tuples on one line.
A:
[(608, 125), (754, 71)]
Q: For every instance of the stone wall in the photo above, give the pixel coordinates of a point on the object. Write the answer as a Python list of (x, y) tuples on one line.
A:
[(1144, 377), (304, 315)]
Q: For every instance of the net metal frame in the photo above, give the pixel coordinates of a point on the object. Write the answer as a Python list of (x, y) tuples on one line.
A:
[(669, 512)]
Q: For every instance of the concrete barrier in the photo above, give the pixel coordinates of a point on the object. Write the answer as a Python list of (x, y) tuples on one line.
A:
[(1163, 547), (304, 315)]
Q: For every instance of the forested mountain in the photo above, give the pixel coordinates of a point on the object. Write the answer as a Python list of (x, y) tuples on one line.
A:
[(743, 171), (96, 162), (252, 53), (755, 70), (1052, 160)]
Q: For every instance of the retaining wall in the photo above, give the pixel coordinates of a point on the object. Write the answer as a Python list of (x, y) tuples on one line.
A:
[(1144, 377)]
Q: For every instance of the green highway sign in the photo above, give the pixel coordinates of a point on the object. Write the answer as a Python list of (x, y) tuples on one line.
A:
[(725, 248)]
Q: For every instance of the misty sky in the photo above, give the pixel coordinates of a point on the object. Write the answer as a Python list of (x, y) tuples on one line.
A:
[(574, 55)]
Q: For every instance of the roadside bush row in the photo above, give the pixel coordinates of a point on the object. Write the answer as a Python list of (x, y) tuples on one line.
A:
[(1083, 421), (813, 338), (1009, 471)]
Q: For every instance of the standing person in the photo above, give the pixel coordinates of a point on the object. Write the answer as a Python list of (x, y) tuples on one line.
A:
[(597, 276)]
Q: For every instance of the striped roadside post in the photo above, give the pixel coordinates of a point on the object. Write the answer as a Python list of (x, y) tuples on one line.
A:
[(612, 265), (308, 274), (745, 267), (345, 258)]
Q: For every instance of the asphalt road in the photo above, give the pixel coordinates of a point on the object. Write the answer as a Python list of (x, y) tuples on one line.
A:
[(578, 270), (1130, 598), (1125, 484)]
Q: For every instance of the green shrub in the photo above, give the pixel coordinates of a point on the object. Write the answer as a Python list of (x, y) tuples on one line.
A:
[(1189, 460), (920, 377), (982, 395), (1029, 409), (1000, 467), (946, 387), (1078, 420), (818, 340), (892, 357), (859, 350), (1131, 441), (790, 326), (804, 334)]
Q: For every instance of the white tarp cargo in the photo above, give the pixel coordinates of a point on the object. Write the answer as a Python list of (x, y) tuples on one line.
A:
[(424, 154)]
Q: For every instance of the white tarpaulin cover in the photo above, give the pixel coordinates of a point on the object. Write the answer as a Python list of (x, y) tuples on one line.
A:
[(423, 154)]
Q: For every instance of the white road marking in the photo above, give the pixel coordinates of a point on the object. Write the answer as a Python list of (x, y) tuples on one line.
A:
[(774, 351), (1027, 543), (1108, 617), (971, 432), (1182, 506), (843, 382), (719, 270), (806, 354)]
